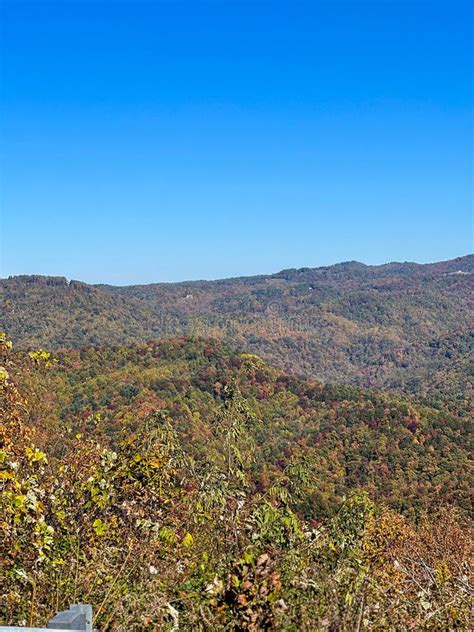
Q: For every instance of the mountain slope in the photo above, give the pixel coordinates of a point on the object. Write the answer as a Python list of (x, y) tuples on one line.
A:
[(366, 325), (182, 484), (411, 456)]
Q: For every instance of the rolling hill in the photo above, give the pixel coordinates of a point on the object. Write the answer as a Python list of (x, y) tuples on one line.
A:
[(347, 323), (179, 484)]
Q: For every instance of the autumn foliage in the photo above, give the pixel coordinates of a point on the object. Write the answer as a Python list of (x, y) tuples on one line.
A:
[(179, 485)]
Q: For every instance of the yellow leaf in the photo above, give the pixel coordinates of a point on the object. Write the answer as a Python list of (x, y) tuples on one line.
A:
[(100, 527), (188, 540)]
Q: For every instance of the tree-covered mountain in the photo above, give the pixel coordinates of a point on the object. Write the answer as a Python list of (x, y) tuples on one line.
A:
[(153, 465), (180, 484), (349, 323), (410, 456)]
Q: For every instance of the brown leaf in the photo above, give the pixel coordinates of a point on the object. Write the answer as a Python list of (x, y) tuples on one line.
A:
[(263, 559), (242, 600)]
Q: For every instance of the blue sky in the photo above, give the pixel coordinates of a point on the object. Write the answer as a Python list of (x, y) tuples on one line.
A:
[(158, 141)]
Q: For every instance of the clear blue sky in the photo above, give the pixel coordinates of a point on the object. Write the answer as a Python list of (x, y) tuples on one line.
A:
[(159, 141)]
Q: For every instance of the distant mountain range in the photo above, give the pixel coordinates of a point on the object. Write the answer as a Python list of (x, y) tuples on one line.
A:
[(401, 325)]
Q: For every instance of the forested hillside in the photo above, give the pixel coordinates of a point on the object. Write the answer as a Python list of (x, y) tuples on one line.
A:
[(387, 325), (182, 485), (154, 465), (411, 456)]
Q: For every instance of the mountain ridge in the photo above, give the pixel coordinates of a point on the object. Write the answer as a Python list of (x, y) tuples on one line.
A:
[(63, 280), (348, 323)]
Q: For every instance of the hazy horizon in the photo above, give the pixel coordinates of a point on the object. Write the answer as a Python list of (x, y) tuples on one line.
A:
[(256, 274)]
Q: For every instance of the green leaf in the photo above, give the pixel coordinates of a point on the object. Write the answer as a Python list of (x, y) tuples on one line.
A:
[(100, 527)]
